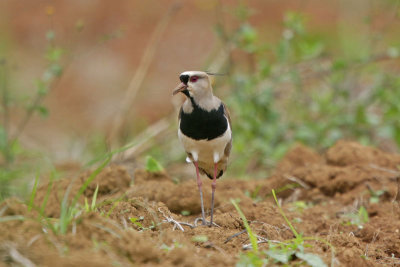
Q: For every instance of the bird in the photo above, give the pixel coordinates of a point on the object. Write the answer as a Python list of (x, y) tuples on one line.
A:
[(204, 130)]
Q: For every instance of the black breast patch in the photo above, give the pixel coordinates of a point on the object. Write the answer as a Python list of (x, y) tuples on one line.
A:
[(201, 124)]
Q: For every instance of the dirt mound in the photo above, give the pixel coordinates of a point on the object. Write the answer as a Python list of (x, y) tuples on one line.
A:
[(346, 170), (112, 181), (350, 153), (298, 156), (347, 198)]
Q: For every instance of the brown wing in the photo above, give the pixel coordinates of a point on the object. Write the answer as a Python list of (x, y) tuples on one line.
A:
[(228, 146), (226, 112)]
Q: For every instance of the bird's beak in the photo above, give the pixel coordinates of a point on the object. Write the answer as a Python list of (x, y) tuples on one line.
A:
[(180, 88)]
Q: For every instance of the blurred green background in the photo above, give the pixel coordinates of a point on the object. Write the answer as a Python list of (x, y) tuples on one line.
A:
[(80, 79)]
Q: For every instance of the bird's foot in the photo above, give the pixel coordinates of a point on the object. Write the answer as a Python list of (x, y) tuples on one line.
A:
[(204, 222)]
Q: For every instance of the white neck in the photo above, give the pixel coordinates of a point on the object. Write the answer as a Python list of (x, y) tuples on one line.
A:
[(207, 102)]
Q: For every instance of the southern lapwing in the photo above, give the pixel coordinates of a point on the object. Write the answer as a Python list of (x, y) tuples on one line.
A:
[(204, 130)]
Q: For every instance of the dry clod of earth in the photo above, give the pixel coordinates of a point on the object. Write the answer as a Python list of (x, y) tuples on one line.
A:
[(346, 196)]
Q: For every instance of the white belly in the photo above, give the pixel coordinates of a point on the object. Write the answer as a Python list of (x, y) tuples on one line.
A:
[(207, 151)]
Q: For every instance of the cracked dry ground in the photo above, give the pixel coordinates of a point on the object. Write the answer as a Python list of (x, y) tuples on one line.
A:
[(129, 226)]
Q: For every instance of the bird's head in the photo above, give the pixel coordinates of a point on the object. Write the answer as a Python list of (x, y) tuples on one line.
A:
[(194, 84)]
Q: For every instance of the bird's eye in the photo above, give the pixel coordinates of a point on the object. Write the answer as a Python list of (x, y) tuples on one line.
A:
[(194, 79)]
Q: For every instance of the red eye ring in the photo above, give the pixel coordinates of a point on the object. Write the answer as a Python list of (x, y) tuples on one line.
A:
[(194, 79)]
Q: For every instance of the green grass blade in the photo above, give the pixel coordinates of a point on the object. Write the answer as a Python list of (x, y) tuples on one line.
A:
[(284, 216), (89, 180), (46, 197), (12, 218), (94, 198), (253, 238), (112, 153), (152, 165), (112, 208), (33, 193), (87, 209), (65, 212), (51, 225)]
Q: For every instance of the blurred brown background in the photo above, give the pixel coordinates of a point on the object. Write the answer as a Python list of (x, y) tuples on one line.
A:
[(104, 42)]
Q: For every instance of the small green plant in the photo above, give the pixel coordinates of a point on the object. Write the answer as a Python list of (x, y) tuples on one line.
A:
[(254, 195), (69, 210), (115, 203), (46, 196), (136, 221), (200, 238), (33, 193), (375, 195), (66, 214), (299, 206), (285, 251), (252, 237), (92, 207), (252, 258), (284, 215), (169, 248), (185, 212), (152, 165), (90, 179), (359, 218)]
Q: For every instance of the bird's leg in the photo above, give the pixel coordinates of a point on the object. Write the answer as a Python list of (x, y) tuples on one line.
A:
[(213, 186), (199, 184)]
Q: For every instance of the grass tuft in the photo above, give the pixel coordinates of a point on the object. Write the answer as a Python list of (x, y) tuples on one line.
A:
[(285, 251), (94, 198), (12, 218), (48, 191), (253, 238), (89, 180), (284, 215), (33, 193)]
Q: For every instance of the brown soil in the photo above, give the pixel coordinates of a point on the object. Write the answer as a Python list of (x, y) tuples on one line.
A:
[(320, 195)]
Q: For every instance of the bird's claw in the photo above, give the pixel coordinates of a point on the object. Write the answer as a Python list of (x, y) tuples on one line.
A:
[(204, 222)]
